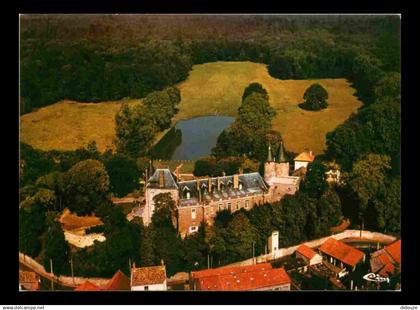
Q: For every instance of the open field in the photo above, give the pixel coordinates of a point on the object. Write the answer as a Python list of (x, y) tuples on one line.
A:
[(212, 88), (217, 88), (68, 125)]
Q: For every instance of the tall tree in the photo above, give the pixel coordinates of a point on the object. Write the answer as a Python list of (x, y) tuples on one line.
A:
[(134, 130), (123, 174), (87, 185), (31, 227), (56, 247), (255, 88), (315, 98), (239, 238)]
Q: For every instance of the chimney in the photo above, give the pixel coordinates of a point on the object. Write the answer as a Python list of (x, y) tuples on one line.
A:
[(210, 185), (310, 153), (235, 181), (241, 170), (177, 174), (161, 178), (162, 262), (224, 173), (198, 184), (218, 184)]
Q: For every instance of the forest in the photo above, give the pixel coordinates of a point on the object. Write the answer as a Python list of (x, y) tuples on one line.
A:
[(100, 58)]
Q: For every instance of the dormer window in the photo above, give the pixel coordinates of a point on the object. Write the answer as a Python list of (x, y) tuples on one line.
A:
[(240, 186), (186, 192)]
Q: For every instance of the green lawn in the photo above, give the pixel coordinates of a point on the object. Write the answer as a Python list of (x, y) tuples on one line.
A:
[(212, 88)]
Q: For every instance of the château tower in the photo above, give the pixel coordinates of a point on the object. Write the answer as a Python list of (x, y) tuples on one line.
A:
[(269, 166), (282, 166)]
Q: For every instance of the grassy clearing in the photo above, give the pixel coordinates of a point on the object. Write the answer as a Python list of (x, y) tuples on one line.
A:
[(187, 165), (212, 88), (217, 88), (68, 125)]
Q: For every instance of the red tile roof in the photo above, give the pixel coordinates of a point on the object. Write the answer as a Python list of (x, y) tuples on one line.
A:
[(386, 260), (341, 251), (394, 250), (29, 280), (229, 270), (88, 286), (251, 279), (119, 282), (148, 275), (305, 156), (306, 251), (387, 270)]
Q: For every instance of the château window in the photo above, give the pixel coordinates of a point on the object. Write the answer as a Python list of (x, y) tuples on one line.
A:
[(220, 206), (193, 214), (240, 186), (188, 195), (246, 204), (229, 205), (146, 288), (238, 205)]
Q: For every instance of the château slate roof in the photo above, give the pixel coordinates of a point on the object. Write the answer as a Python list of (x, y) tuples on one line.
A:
[(170, 179), (251, 184)]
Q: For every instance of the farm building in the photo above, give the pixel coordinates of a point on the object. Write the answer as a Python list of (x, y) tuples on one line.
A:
[(387, 261), (309, 256), (339, 257)]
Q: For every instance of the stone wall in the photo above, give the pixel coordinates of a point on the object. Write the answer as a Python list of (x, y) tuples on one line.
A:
[(63, 280), (365, 235)]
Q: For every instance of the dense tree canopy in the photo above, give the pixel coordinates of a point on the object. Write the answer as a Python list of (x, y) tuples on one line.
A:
[(86, 186), (124, 175), (255, 88), (251, 131), (135, 130), (56, 247), (315, 98)]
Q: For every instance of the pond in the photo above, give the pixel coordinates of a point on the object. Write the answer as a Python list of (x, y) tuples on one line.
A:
[(192, 139)]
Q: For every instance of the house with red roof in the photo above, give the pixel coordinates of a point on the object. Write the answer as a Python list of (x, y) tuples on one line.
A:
[(29, 281), (387, 261), (88, 286), (304, 159), (308, 255), (340, 257), (260, 277), (119, 282), (149, 278)]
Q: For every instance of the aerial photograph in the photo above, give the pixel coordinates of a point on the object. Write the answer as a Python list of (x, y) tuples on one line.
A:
[(209, 152)]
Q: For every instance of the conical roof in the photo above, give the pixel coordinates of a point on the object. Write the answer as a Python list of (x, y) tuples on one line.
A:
[(281, 155), (269, 157), (151, 168)]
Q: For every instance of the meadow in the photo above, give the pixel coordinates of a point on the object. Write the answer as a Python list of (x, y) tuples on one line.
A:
[(210, 89)]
